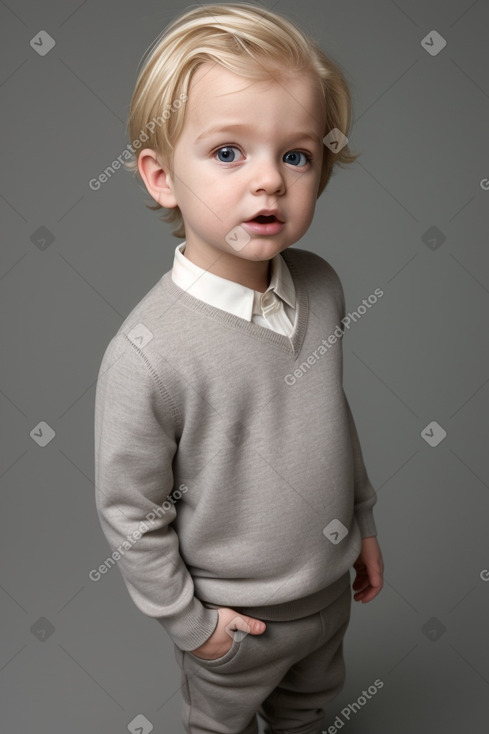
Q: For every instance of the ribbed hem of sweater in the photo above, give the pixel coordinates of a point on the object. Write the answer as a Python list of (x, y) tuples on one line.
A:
[(298, 608)]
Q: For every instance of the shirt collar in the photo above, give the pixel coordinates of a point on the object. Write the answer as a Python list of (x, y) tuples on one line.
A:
[(226, 294)]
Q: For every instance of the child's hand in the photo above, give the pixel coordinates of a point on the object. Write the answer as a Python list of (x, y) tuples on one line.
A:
[(369, 567), (221, 640)]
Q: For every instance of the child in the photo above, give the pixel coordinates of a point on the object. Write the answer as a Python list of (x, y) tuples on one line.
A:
[(229, 476)]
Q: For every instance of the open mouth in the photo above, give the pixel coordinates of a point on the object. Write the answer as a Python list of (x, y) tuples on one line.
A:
[(265, 224), (262, 219)]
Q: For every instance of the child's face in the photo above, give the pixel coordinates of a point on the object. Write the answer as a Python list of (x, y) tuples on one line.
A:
[(264, 164)]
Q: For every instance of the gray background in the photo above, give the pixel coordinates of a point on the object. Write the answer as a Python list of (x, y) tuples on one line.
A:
[(419, 355)]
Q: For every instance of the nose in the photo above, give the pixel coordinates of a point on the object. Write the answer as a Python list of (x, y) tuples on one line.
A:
[(267, 176)]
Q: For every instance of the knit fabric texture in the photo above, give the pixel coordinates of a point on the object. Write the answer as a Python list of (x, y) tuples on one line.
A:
[(228, 468)]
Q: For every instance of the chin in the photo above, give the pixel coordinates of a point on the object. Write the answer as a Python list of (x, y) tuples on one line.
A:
[(262, 248)]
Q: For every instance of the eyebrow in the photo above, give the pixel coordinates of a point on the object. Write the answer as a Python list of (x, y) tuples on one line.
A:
[(240, 126)]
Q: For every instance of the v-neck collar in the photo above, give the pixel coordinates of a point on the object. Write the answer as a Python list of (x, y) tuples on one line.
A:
[(291, 345)]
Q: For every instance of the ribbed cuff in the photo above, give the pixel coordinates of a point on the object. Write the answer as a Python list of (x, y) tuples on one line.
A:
[(366, 522), (191, 627)]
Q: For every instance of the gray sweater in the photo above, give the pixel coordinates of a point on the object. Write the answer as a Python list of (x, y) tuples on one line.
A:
[(228, 469)]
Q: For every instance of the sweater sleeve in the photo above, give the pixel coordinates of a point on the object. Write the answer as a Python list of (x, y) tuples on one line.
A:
[(136, 438), (365, 495)]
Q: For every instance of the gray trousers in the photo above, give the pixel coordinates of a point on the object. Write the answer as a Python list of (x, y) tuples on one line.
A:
[(285, 674)]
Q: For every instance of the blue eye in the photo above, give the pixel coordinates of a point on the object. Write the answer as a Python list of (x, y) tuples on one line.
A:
[(295, 153), (227, 158), (225, 155)]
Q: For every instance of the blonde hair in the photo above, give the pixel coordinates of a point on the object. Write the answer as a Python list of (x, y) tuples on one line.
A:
[(246, 39)]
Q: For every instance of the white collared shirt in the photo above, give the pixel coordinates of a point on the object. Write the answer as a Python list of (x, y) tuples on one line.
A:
[(274, 309)]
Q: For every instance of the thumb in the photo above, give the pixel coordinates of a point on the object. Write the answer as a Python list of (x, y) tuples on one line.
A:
[(249, 625)]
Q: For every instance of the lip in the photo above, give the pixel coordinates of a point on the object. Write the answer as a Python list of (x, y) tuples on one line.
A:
[(267, 228)]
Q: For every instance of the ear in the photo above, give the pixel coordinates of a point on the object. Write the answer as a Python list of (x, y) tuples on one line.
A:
[(156, 177)]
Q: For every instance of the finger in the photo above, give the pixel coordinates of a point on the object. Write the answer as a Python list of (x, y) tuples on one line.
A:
[(359, 587), (369, 595), (360, 595), (370, 592), (245, 624), (257, 626)]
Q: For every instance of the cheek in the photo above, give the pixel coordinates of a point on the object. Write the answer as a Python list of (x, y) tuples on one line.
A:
[(217, 193), (209, 183), (306, 208), (305, 201)]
